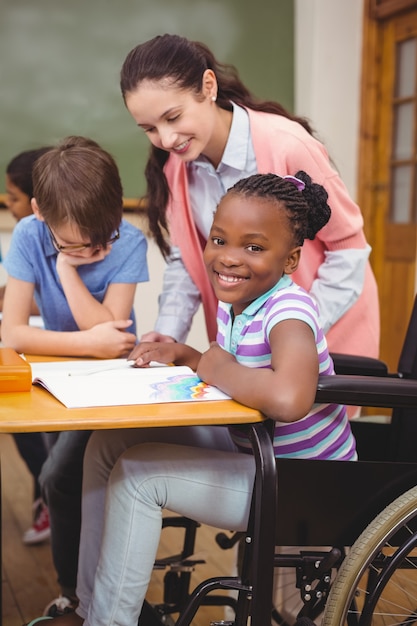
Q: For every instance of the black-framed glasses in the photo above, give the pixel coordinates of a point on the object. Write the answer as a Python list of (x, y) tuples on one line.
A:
[(79, 247)]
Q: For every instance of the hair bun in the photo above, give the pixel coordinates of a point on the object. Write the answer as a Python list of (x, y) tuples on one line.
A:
[(316, 197)]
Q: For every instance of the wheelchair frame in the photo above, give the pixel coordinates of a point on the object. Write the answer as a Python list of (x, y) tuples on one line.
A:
[(351, 520), (368, 510)]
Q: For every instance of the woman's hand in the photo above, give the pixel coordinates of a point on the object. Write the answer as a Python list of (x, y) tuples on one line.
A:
[(154, 336)]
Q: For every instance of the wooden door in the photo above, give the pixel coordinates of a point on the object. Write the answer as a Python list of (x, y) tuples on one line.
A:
[(388, 163)]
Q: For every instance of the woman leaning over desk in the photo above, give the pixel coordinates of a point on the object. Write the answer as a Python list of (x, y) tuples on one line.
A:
[(207, 131)]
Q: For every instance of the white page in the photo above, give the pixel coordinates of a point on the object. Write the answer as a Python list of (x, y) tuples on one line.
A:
[(112, 382)]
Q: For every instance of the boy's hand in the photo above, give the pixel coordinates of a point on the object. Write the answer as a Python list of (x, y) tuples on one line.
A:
[(75, 260), (110, 340)]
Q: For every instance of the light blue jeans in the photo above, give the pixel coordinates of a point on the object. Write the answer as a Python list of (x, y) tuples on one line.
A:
[(130, 476)]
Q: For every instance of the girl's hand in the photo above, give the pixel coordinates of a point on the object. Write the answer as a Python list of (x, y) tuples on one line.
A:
[(211, 361), (110, 340), (147, 351)]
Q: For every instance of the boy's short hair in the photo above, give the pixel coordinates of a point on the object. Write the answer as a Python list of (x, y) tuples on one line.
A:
[(78, 182)]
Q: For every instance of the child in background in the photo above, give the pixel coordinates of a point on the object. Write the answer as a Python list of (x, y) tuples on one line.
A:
[(32, 447), (81, 261), (270, 352), (19, 191)]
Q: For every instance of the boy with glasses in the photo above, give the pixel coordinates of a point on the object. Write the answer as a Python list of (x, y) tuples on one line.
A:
[(81, 262)]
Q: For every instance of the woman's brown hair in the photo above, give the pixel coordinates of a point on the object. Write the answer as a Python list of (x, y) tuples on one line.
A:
[(183, 62)]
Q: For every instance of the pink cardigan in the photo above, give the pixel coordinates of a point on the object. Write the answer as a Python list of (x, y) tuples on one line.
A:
[(284, 147)]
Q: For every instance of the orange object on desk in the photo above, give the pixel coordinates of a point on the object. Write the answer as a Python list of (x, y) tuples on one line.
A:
[(15, 372)]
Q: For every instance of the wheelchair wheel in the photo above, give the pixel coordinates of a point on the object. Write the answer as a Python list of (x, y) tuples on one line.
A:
[(376, 584)]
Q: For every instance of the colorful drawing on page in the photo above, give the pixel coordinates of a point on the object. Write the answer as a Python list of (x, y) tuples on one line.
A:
[(181, 387)]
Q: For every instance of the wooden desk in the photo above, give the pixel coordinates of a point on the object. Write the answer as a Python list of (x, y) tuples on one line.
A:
[(38, 411)]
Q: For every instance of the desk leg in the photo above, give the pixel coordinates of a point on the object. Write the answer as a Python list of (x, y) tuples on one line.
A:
[(264, 523), (257, 577)]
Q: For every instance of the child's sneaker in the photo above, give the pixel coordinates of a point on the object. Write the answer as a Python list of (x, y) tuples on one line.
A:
[(60, 606), (40, 529)]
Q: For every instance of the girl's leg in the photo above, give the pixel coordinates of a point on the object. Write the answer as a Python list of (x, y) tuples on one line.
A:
[(211, 486), (103, 450)]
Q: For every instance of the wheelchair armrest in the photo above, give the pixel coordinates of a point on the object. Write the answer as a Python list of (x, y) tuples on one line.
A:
[(359, 365), (371, 391)]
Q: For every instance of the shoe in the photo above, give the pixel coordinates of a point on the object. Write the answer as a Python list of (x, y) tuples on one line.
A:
[(40, 529), (60, 606)]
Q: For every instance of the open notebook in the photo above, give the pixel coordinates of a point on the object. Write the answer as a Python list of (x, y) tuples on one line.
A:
[(112, 382)]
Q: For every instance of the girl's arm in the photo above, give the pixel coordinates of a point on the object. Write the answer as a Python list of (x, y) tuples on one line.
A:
[(106, 340), (286, 392), (86, 310)]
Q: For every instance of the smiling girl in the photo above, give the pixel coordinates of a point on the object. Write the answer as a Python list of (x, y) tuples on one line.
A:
[(270, 352)]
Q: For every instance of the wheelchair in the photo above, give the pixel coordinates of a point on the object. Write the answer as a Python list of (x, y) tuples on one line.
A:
[(361, 515)]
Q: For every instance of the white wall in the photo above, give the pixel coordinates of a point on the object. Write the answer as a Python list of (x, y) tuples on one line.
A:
[(328, 41)]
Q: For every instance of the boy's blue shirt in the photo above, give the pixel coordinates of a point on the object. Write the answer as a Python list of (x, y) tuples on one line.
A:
[(32, 258)]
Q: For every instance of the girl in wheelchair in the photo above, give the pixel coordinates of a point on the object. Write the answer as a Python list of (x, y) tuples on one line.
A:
[(269, 353)]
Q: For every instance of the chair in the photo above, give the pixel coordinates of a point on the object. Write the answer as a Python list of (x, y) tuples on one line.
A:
[(387, 440), (327, 503)]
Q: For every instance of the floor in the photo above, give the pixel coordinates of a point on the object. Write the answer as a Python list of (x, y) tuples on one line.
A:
[(28, 575)]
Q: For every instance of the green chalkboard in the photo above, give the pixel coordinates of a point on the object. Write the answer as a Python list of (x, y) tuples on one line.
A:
[(60, 64)]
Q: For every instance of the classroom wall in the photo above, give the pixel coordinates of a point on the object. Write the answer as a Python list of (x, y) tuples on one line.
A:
[(328, 47), (60, 75), (61, 61)]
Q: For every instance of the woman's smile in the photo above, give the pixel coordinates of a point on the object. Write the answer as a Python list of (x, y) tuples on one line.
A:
[(182, 147)]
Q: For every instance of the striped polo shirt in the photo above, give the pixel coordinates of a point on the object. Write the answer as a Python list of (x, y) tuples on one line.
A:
[(325, 432)]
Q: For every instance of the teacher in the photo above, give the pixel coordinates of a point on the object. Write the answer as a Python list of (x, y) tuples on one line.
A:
[(207, 132)]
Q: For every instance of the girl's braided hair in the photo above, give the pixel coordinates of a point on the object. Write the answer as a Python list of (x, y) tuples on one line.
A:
[(307, 210), (181, 63)]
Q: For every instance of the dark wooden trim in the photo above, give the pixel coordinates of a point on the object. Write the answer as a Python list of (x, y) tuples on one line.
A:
[(381, 9), (130, 205)]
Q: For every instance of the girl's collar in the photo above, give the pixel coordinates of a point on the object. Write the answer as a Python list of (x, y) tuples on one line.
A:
[(253, 307)]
